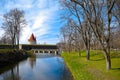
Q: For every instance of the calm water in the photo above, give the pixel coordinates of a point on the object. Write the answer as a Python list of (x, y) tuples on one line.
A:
[(39, 68)]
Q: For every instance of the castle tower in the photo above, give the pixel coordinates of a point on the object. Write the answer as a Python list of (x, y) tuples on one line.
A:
[(32, 39)]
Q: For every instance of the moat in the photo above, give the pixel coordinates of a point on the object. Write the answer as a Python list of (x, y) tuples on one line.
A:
[(43, 67)]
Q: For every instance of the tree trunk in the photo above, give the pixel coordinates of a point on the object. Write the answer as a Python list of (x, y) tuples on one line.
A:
[(79, 52), (108, 60), (17, 41), (87, 50), (12, 43), (88, 54), (108, 63)]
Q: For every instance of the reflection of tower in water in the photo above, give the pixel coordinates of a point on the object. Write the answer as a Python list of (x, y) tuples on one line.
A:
[(32, 62)]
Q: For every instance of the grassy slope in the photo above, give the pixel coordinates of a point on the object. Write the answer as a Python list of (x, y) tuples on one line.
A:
[(10, 56), (95, 69)]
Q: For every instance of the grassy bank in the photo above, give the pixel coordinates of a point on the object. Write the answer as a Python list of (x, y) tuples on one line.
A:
[(30, 53), (95, 69), (10, 56)]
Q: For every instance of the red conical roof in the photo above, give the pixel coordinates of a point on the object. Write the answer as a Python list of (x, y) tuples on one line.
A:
[(32, 38)]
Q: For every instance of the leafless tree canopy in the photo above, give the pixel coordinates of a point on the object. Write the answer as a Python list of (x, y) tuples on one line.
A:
[(5, 39), (95, 20), (13, 24)]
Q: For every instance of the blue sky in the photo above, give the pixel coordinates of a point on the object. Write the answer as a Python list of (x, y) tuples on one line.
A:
[(43, 19)]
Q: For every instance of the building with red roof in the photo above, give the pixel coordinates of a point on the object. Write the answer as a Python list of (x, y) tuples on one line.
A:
[(32, 39)]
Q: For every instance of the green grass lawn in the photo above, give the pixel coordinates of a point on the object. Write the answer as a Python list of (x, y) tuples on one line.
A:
[(95, 68)]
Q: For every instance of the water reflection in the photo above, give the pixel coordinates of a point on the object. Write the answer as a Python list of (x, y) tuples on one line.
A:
[(12, 74), (40, 68), (32, 62)]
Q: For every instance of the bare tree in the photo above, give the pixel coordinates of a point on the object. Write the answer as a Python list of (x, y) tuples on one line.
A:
[(115, 38), (5, 39), (71, 37), (9, 29), (81, 25), (67, 34), (99, 16), (13, 24), (116, 11), (77, 40)]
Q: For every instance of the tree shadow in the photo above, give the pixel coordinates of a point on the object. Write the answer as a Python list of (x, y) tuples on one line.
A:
[(97, 59), (115, 68)]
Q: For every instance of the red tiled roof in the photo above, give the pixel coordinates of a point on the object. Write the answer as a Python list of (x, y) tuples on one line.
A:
[(32, 38)]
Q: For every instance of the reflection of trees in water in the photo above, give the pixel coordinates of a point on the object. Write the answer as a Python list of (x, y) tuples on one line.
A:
[(12, 74), (66, 75), (32, 62)]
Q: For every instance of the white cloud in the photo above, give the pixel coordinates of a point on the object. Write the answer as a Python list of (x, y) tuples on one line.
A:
[(48, 40), (1, 16), (1, 32), (39, 15), (25, 35), (22, 4)]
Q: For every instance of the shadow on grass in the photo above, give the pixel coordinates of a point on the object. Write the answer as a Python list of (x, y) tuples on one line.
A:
[(115, 68), (97, 59)]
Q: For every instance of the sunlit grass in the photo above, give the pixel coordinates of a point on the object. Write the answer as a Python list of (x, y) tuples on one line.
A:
[(95, 68)]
